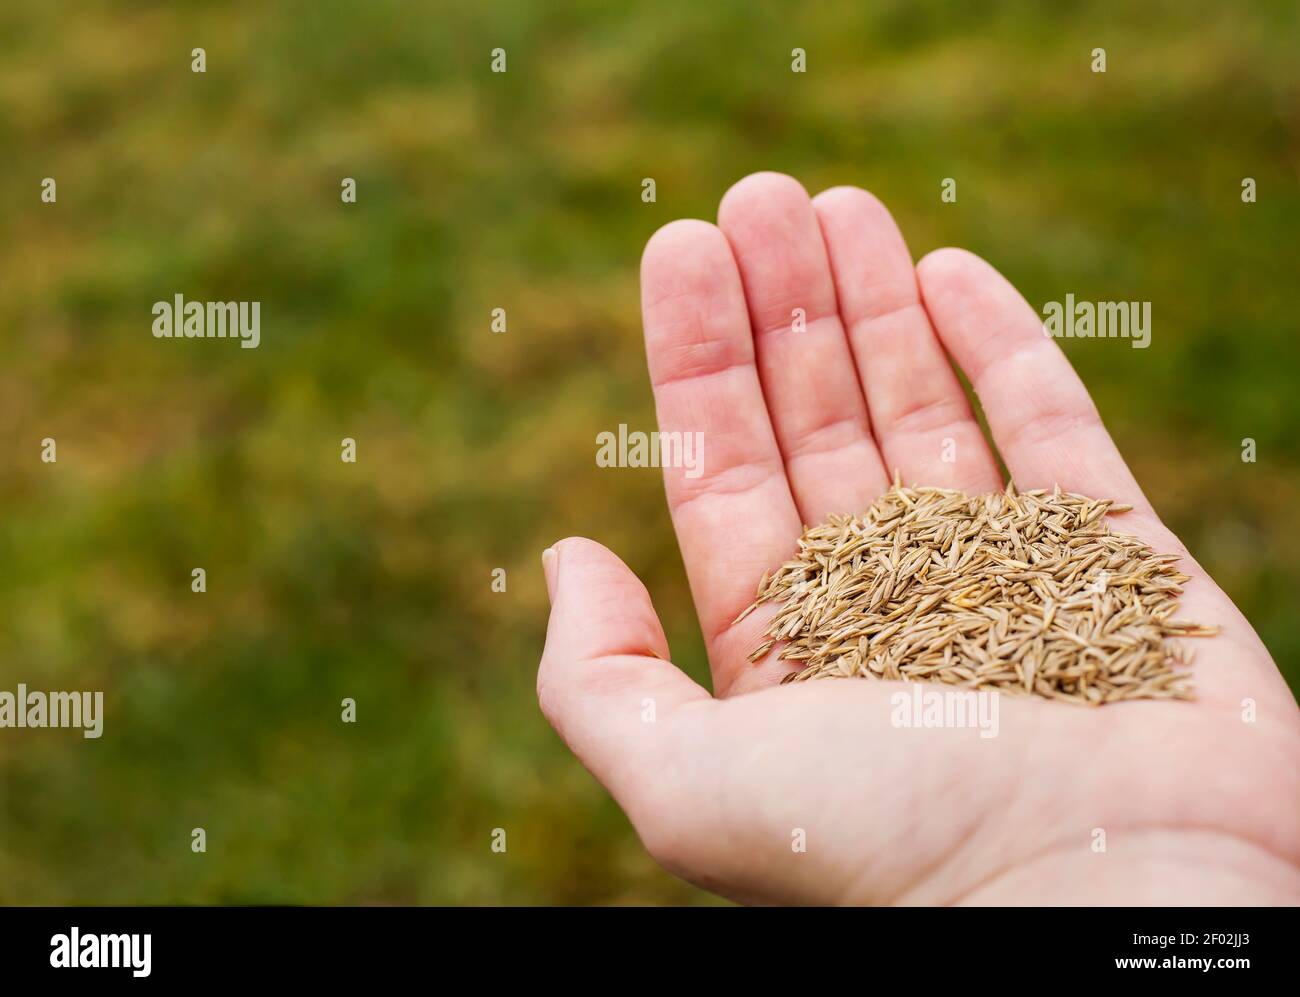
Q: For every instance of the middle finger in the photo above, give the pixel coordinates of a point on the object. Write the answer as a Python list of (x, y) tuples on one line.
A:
[(804, 362)]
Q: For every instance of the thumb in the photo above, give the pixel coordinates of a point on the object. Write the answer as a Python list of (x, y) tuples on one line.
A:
[(605, 681)]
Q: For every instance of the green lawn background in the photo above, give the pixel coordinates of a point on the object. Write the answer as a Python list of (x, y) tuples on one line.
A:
[(476, 450)]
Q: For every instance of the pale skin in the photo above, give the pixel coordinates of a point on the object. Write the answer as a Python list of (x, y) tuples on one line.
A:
[(1198, 804)]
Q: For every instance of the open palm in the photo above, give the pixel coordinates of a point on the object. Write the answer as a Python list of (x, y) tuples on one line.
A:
[(1193, 801)]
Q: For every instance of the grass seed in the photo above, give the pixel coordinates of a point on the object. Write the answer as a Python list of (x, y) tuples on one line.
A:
[(1028, 593)]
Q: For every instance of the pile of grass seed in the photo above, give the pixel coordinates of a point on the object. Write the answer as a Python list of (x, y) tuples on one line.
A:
[(1022, 592)]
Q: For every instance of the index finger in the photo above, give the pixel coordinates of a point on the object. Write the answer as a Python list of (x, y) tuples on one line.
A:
[(733, 511)]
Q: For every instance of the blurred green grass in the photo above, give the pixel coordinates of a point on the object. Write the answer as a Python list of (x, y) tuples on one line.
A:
[(520, 191)]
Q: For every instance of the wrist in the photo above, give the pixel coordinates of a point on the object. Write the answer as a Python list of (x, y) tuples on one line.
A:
[(1148, 867)]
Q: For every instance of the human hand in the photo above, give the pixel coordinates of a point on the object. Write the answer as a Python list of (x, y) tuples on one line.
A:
[(1197, 805)]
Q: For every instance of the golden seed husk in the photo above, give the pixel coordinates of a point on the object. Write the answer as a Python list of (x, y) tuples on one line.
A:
[(1028, 593)]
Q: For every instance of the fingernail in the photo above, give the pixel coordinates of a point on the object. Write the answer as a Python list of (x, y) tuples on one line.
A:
[(550, 568)]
